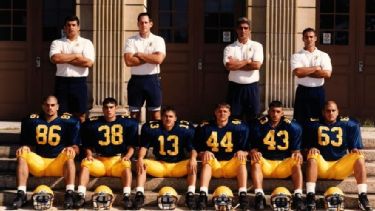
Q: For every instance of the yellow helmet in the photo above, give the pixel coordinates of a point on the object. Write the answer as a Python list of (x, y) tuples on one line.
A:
[(102, 198), (222, 198), (167, 198), (281, 199), (334, 199), (42, 197)]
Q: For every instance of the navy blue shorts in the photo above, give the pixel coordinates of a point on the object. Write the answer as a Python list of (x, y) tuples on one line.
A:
[(144, 88), (72, 94), (309, 103), (244, 99)]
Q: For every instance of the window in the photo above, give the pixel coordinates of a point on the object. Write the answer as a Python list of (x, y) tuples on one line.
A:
[(370, 22), (13, 20), (173, 21)]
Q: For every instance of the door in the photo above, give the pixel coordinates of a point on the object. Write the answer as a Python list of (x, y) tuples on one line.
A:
[(196, 32), (26, 31), (347, 33)]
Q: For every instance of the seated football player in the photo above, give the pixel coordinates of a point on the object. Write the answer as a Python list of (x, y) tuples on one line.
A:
[(170, 139), (49, 145), (334, 145), (222, 147), (109, 142), (275, 153)]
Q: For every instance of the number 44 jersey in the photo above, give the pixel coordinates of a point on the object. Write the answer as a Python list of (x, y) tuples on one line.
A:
[(223, 142), (50, 138), (109, 138)]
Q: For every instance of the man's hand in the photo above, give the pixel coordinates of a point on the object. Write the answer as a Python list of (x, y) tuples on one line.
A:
[(313, 151), (22, 149), (126, 158), (207, 156), (70, 152), (89, 157), (140, 166), (192, 166), (255, 155), (241, 155), (357, 151), (297, 156)]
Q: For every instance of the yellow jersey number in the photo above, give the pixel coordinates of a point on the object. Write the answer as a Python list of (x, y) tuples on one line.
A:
[(173, 152), (225, 142), (324, 139), (48, 135), (112, 135), (269, 140)]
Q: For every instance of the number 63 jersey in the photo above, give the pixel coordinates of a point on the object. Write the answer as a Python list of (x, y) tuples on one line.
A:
[(50, 138), (333, 140), (109, 138), (222, 142)]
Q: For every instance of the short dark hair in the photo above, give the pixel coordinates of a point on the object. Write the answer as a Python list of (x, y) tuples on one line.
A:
[(144, 14), (275, 104), (329, 102), (49, 97), (71, 18), (242, 20), (109, 100), (222, 105), (167, 109), (308, 30)]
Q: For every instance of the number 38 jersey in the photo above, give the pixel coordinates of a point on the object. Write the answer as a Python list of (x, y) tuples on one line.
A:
[(333, 140), (109, 138), (223, 142), (169, 146), (276, 143), (50, 138)]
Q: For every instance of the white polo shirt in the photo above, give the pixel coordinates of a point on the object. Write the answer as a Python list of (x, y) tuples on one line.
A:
[(149, 45), (80, 45), (305, 58), (251, 50)]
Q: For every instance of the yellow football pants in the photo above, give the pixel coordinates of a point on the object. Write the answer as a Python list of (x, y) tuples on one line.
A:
[(106, 166), (164, 169), (39, 166), (339, 169), (277, 168), (225, 169)]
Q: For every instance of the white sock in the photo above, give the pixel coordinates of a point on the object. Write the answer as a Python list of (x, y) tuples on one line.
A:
[(70, 187), (362, 188), (82, 189), (126, 190), (242, 189), (310, 187), (140, 189), (204, 189), (298, 191), (258, 190), (191, 188), (23, 188)]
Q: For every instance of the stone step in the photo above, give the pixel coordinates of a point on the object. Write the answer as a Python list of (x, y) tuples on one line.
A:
[(7, 196), (153, 184)]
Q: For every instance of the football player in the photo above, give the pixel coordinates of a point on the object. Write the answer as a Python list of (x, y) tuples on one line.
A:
[(109, 143), (334, 145), (49, 145), (222, 147), (275, 153), (169, 139)]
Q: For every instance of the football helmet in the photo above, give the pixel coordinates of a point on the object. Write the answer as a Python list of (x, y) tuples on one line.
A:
[(167, 198), (334, 199), (102, 198), (42, 197), (222, 198), (281, 199)]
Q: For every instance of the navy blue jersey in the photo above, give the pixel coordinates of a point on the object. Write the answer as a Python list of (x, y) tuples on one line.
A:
[(109, 138), (333, 140), (169, 146), (223, 142), (276, 143), (50, 138)]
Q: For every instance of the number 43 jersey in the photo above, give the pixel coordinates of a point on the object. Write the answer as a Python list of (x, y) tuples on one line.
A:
[(333, 140), (50, 138), (276, 143), (169, 146), (223, 142), (109, 138)]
